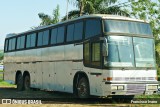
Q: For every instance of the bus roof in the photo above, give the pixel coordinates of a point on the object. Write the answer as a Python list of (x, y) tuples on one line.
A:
[(101, 16)]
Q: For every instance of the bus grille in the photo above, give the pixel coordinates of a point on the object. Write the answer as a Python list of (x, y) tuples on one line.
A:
[(135, 88), (133, 78)]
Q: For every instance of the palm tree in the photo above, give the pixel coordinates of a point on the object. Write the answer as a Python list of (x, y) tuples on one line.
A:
[(47, 20), (96, 6)]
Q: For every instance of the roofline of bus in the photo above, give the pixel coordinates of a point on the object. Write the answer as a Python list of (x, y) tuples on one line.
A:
[(100, 16)]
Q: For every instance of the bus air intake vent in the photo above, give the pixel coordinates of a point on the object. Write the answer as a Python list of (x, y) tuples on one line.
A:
[(135, 88)]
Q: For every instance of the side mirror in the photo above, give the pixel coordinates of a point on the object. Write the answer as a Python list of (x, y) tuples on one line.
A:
[(105, 48)]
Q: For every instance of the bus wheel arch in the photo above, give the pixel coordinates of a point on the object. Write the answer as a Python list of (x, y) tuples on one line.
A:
[(79, 77), (19, 81), (26, 82)]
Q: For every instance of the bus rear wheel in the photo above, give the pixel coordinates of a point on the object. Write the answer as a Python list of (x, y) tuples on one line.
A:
[(20, 82), (27, 82), (83, 88)]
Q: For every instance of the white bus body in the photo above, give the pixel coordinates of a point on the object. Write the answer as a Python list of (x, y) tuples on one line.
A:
[(60, 67)]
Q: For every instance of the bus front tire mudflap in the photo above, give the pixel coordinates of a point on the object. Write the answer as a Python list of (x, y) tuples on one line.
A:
[(83, 88), (27, 82), (20, 82)]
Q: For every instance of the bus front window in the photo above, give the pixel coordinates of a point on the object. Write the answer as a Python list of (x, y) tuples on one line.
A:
[(120, 52), (144, 52), (126, 51), (119, 26)]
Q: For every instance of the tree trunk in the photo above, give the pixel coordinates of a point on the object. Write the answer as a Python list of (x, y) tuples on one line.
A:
[(81, 7)]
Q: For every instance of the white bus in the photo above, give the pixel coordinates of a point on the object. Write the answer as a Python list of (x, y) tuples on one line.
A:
[(100, 55)]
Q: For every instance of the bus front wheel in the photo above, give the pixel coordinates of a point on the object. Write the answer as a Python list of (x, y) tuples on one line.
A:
[(20, 82), (27, 82), (83, 88)]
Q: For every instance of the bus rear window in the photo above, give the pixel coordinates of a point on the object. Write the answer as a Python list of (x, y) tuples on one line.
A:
[(6, 46)]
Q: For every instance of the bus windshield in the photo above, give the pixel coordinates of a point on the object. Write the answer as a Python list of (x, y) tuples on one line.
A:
[(126, 51), (119, 26)]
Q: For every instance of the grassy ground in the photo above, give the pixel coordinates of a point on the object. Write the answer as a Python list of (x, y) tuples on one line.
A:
[(1, 75), (148, 96), (3, 83)]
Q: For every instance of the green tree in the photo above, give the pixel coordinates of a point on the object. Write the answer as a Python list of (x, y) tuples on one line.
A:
[(47, 20), (96, 7), (1, 55)]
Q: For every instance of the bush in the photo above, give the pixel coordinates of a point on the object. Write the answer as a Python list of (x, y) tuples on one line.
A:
[(158, 70), (158, 77)]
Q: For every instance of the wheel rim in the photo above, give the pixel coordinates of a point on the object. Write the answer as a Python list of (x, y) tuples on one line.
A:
[(82, 89)]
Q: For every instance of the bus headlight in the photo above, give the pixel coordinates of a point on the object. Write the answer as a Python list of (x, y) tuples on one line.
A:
[(152, 87), (114, 87), (121, 87), (117, 87)]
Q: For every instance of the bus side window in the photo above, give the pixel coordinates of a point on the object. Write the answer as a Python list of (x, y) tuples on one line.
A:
[(31, 40), (86, 53), (43, 38), (95, 55), (18, 42), (60, 36), (93, 28), (78, 31), (10, 45), (13, 43), (22, 42), (70, 32), (40, 38), (54, 36), (92, 54)]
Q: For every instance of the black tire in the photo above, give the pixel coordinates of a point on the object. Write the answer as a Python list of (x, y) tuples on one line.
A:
[(83, 88), (27, 82), (20, 82)]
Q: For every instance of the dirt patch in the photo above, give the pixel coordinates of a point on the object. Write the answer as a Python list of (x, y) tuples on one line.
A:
[(12, 92), (57, 99)]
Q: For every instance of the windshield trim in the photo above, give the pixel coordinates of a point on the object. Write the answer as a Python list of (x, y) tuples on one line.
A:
[(127, 35)]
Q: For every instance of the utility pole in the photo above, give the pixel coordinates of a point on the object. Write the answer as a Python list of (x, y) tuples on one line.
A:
[(67, 10)]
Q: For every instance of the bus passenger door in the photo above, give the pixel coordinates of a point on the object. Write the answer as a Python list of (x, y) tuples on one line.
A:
[(93, 64)]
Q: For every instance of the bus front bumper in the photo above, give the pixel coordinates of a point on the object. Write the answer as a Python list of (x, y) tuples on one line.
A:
[(132, 88)]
